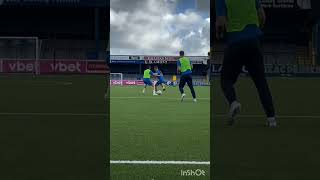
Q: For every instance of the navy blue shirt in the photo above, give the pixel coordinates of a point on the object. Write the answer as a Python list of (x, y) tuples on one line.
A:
[(158, 72), (250, 31)]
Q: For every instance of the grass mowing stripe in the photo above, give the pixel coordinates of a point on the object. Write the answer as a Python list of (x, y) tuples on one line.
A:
[(160, 128), (160, 162), (103, 114)]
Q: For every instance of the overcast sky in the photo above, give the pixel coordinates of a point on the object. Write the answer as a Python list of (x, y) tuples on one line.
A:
[(159, 27)]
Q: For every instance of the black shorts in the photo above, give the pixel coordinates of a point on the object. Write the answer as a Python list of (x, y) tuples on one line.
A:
[(186, 79), (243, 54)]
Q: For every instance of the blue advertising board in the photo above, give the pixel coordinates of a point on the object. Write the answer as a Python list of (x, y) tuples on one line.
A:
[(278, 70), (126, 62)]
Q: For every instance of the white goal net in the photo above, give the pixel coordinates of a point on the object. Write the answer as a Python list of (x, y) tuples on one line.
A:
[(116, 79), (19, 55)]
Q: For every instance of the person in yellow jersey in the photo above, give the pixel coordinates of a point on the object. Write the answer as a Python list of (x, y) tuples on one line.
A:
[(184, 67), (241, 21), (147, 80)]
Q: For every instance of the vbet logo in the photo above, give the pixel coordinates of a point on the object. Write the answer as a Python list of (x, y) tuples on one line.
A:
[(66, 67), (22, 66), (115, 82), (191, 172), (45, 66)]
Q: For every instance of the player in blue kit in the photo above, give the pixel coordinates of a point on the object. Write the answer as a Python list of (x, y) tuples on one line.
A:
[(161, 80)]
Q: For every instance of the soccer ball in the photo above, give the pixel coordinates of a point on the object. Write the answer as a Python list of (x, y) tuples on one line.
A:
[(159, 92)]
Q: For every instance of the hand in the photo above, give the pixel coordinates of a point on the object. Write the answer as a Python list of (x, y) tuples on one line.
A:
[(221, 26)]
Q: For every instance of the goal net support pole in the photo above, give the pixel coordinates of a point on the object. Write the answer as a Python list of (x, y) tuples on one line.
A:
[(37, 49), (117, 77)]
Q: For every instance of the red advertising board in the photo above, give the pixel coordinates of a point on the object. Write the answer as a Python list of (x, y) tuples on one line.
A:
[(0, 66), (159, 59), (18, 66), (54, 66), (63, 66), (115, 82), (97, 67), (127, 82)]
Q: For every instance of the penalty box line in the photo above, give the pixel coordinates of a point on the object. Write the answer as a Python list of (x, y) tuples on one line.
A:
[(149, 162)]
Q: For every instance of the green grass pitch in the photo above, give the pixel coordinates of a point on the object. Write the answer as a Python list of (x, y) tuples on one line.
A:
[(144, 127), (57, 123), (158, 128), (250, 151)]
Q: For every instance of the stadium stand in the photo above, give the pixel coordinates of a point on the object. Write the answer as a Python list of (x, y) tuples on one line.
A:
[(291, 36), (84, 38), (132, 69)]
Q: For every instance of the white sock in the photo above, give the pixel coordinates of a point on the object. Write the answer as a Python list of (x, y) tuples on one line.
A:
[(271, 119), (234, 103)]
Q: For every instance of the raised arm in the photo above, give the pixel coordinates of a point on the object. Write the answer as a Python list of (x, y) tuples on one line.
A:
[(178, 67)]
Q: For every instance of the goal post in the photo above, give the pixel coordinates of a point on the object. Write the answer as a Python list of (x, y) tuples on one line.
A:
[(21, 48), (116, 79)]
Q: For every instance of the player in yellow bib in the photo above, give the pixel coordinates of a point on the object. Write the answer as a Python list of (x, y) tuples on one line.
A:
[(185, 68), (241, 20), (147, 80)]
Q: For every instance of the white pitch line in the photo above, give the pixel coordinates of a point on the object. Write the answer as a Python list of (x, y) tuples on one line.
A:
[(54, 114), (119, 97), (160, 162)]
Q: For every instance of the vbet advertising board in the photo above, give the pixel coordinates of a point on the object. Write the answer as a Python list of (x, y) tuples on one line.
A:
[(54, 66), (141, 83)]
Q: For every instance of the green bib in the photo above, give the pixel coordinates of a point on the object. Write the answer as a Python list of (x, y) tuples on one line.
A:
[(185, 64), (240, 14), (146, 74)]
